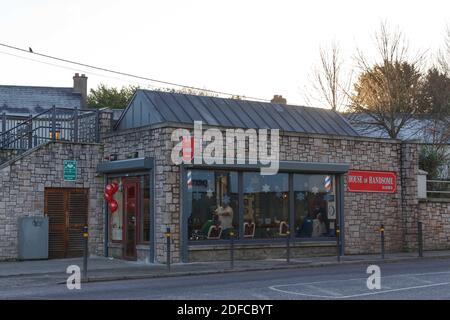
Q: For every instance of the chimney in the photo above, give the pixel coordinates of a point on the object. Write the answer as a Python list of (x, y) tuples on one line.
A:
[(278, 99), (80, 86)]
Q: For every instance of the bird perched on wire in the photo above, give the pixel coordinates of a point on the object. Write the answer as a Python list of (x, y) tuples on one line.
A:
[(31, 50)]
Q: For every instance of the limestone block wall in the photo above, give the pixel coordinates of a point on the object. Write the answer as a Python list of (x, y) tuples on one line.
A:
[(435, 218), (23, 181)]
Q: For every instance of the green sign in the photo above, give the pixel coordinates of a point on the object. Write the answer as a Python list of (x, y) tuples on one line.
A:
[(70, 170)]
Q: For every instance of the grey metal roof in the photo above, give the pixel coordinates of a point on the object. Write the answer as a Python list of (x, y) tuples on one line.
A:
[(152, 107), (24, 100)]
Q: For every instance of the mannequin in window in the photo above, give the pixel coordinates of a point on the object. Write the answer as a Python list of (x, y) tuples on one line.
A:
[(225, 216)]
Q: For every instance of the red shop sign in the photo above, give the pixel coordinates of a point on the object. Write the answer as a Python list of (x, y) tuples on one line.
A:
[(371, 181)]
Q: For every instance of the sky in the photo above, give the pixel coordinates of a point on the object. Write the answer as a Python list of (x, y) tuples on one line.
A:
[(250, 48)]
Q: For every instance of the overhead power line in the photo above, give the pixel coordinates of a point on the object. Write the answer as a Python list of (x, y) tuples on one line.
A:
[(29, 51), (77, 69)]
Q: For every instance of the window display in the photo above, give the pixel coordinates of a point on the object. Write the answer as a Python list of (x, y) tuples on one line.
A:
[(213, 204), (266, 205), (315, 205)]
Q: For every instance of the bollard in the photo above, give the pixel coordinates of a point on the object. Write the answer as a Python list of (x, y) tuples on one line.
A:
[(420, 238), (288, 246), (231, 249), (85, 251), (382, 241), (338, 240), (167, 235)]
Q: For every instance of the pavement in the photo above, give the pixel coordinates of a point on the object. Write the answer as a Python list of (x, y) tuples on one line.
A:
[(108, 269)]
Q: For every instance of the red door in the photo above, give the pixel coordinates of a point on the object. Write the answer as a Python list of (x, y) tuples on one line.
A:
[(131, 207)]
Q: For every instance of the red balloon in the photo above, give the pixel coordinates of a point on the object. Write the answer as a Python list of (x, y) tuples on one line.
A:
[(115, 186), (109, 189), (113, 205), (107, 197)]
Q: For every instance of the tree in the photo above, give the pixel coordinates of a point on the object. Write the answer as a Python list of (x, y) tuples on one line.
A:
[(387, 93), (435, 102), (110, 97), (192, 91), (444, 54), (327, 85)]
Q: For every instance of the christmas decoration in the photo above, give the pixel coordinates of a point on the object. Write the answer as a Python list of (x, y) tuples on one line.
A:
[(226, 199), (300, 196), (197, 196), (249, 189)]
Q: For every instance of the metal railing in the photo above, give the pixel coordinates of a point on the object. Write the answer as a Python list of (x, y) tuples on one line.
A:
[(438, 189), (64, 124)]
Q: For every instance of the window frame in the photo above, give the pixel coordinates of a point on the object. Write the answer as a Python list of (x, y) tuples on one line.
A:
[(291, 208)]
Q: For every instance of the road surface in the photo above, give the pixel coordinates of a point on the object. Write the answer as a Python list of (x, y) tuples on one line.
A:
[(427, 279)]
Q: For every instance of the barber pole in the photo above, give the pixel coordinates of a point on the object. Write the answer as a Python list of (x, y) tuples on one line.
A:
[(327, 183), (189, 180)]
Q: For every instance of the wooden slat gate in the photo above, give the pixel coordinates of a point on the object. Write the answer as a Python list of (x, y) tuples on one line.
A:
[(67, 210)]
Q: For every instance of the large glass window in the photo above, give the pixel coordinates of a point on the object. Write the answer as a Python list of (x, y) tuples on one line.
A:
[(315, 205), (266, 205), (212, 204)]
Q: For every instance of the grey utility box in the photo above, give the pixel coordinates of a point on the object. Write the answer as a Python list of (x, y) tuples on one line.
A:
[(33, 238)]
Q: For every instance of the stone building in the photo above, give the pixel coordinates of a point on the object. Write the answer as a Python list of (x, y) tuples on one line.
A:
[(328, 179)]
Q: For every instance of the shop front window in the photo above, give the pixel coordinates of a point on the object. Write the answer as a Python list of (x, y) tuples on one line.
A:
[(266, 205), (212, 198), (315, 206)]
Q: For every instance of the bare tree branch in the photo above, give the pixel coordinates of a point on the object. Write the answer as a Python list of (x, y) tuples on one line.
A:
[(327, 85)]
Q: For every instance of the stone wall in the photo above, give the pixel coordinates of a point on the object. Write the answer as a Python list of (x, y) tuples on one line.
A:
[(8, 154), (435, 218), (199, 253), (410, 203), (23, 181), (364, 212)]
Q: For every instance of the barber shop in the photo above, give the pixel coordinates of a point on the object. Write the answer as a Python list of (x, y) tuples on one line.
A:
[(203, 187), (191, 174)]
